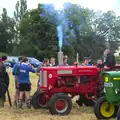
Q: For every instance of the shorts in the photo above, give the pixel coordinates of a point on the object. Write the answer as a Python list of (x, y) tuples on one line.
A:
[(24, 87)]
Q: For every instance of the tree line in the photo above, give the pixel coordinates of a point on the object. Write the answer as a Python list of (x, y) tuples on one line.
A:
[(34, 32)]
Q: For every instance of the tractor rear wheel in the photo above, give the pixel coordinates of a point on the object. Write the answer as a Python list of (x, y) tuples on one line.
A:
[(60, 104), (38, 100), (102, 111), (118, 114)]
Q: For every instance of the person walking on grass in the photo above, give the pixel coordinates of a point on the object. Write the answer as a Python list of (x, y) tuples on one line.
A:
[(24, 82), (16, 73)]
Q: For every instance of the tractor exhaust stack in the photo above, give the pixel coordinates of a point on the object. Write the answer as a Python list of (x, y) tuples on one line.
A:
[(60, 58)]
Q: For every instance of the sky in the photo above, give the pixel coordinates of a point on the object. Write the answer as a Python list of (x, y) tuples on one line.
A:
[(103, 5)]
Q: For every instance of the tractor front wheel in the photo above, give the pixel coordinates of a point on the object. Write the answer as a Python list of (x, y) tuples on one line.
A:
[(60, 104), (39, 100), (105, 110), (34, 100)]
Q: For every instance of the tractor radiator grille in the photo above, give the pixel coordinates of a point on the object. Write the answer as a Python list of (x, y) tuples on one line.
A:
[(43, 78)]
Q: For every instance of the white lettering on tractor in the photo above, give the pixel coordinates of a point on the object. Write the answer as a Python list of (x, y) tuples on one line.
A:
[(85, 70), (64, 71)]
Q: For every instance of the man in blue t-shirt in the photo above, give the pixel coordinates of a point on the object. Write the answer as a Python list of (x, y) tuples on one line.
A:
[(24, 82), (16, 73)]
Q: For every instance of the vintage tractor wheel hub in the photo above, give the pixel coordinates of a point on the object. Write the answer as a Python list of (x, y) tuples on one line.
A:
[(105, 111), (61, 105), (42, 100)]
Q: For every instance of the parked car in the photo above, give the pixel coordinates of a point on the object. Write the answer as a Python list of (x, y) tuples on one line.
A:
[(14, 59), (34, 62)]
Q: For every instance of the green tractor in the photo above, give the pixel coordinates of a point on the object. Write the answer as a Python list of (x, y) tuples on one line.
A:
[(107, 106)]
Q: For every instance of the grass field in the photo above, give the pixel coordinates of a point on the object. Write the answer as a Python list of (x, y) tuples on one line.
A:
[(7, 113)]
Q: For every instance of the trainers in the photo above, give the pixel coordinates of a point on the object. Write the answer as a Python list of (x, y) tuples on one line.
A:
[(28, 104), (19, 104), (1, 103)]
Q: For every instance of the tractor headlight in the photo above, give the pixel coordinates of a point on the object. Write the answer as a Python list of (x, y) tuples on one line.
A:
[(106, 79), (117, 91), (104, 90)]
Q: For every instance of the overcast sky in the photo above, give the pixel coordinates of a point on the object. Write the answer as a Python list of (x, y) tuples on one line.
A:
[(103, 5)]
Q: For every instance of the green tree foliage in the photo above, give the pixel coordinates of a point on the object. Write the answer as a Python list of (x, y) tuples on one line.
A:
[(2, 54), (6, 32), (85, 32), (38, 36), (20, 10), (92, 31), (83, 39)]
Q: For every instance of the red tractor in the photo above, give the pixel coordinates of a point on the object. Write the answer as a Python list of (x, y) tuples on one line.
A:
[(59, 84)]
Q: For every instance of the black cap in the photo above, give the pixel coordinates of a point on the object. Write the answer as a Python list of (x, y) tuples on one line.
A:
[(4, 58)]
